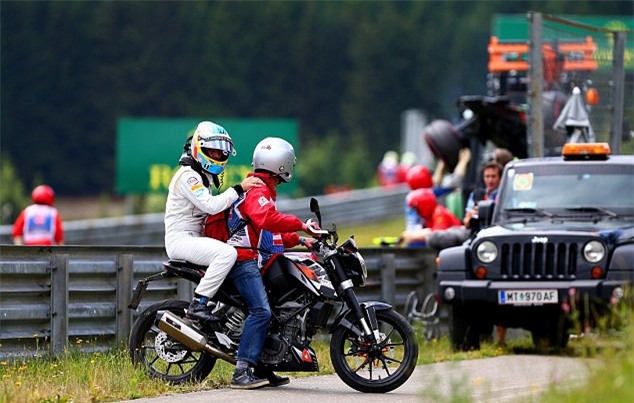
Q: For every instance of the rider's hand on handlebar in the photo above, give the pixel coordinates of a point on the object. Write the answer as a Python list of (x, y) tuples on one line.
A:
[(307, 242), (310, 227)]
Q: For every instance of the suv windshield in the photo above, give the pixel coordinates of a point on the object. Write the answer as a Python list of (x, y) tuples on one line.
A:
[(567, 189)]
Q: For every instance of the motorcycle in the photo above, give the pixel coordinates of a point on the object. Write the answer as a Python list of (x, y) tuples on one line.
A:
[(373, 348)]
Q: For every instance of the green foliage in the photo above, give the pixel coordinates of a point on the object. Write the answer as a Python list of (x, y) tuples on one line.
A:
[(344, 69), (612, 380), (334, 160), (13, 197)]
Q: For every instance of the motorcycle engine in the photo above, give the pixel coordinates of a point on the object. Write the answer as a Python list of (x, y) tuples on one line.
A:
[(234, 322), (293, 331)]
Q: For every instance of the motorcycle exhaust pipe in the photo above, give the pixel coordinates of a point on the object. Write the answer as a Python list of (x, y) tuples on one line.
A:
[(189, 337)]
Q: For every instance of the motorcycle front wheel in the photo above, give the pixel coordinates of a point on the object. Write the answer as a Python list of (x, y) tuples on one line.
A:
[(162, 356), (376, 370)]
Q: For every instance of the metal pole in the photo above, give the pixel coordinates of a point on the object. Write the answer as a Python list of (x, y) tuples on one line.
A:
[(536, 74), (59, 303), (125, 273), (618, 80)]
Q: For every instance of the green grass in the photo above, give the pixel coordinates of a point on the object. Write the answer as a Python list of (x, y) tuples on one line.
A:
[(110, 376), (613, 379), (366, 234)]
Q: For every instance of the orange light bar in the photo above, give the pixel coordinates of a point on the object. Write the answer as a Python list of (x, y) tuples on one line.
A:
[(499, 53), (572, 149)]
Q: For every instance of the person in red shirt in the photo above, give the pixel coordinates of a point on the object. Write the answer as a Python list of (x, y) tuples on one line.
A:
[(40, 223), (434, 216), (259, 231)]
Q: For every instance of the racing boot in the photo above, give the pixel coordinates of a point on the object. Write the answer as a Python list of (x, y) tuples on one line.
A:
[(274, 380), (199, 310)]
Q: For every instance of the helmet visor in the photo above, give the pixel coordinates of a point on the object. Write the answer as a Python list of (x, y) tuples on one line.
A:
[(222, 143)]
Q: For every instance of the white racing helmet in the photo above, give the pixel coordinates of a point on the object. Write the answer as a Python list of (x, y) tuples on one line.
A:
[(275, 155), (210, 136)]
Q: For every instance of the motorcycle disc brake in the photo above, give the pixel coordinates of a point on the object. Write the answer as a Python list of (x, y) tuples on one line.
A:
[(360, 356), (168, 349)]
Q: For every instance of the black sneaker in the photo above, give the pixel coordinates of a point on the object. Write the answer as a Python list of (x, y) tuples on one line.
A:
[(274, 380), (198, 309), (244, 379)]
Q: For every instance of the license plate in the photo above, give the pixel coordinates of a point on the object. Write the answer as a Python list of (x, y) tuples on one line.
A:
[(527, 297)]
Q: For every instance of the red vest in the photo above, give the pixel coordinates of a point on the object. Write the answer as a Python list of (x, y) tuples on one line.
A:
[(39, 224)]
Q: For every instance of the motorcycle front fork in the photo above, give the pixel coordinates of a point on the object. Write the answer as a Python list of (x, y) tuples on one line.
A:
[(365, 314)]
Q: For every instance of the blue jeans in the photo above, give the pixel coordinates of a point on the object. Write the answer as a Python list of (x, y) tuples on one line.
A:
[(247, 279)]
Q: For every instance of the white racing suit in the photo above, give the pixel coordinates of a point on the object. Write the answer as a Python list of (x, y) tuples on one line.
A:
[(188, 203)]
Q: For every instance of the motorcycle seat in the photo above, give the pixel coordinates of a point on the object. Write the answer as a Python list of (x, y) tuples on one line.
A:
[(183, 268)]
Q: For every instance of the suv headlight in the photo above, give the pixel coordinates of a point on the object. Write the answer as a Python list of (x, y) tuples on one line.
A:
[(486, 252), (594, 251)]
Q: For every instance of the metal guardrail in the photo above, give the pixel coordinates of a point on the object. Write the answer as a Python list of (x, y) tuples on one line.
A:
[(55, 297), (346, 208)]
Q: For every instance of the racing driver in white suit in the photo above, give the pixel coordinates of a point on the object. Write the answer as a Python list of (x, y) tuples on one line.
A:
[(190, 200)]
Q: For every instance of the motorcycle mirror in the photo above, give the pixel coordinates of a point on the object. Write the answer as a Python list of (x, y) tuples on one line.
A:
[(314, 208)]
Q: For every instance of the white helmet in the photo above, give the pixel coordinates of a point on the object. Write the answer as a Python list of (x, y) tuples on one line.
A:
[(210, 136), (275, 155)]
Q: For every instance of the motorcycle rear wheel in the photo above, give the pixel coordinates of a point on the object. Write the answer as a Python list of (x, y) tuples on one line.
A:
[(379, 372), (160, 355)]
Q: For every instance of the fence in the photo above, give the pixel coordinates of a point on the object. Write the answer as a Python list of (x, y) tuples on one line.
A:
[(566, 54), (347, 208), (55, 297)]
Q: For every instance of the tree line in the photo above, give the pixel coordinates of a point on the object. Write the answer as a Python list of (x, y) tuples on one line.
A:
[(346, 70)]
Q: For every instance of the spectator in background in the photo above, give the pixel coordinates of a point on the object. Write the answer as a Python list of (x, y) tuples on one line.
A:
[(388, 170), (491, 175), (435, 217), (418, 177), (502, 156), (40, 223)]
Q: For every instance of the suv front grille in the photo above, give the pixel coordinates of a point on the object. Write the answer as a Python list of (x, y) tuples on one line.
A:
[(539, 261)]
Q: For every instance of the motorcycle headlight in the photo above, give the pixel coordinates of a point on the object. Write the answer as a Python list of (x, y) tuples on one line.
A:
[(355, 268), (487, 252), (594, 251), (364, 269)]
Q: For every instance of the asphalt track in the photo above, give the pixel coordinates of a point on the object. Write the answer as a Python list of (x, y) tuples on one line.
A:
[(510, 378)]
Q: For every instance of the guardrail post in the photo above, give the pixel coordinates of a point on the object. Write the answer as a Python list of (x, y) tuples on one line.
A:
[(124, 293), (185, 290), (388, 278), (59, 303)]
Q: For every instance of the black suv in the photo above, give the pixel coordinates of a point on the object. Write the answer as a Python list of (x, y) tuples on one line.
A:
[(559, 237)]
